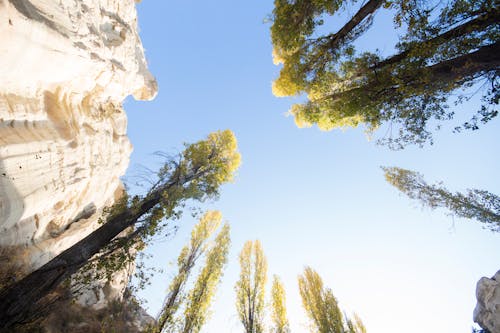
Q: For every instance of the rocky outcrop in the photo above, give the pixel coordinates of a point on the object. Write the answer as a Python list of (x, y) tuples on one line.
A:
[(65, 68), (487, 311)]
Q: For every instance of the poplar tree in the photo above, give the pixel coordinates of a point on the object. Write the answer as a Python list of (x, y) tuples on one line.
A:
[(250, 288), (322, 307), (205, 287), (278, 303), (443, 50), (185, 263), (480, 205), (197, 174)]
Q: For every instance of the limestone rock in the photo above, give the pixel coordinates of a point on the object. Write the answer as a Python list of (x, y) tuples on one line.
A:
[(65, 68), (487, 311)]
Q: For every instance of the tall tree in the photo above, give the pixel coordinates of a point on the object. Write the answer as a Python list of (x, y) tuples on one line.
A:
[(443, 47), (278, 303), (185, 263), (480, 205), (197, 174), (251, 287), (200, 297), (322, 307)]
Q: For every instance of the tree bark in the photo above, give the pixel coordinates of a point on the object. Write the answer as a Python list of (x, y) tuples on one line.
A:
[(455, 70), (368, 9)]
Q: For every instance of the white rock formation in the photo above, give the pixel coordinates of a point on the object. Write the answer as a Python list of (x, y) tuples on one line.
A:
[(65, 68), (487, 311)]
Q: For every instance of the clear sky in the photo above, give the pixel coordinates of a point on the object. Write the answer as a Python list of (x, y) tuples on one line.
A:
[(313, 198)]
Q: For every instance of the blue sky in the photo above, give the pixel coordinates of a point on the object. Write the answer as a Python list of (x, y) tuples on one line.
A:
[(313, 198)]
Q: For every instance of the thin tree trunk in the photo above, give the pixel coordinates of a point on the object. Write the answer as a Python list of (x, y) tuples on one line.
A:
[(477, 24)]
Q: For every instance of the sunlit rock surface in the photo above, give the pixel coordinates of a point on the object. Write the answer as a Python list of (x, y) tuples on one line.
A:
[(487, 311), (65, 68)]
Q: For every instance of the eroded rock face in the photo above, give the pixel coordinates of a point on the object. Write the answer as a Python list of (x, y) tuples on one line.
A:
[(65, 68), (487, 311)]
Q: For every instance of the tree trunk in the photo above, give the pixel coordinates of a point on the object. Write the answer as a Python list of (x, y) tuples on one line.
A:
[(455, 70), (477, 24), (368, 9), (21, 298)]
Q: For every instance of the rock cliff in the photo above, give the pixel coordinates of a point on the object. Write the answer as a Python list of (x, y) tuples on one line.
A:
[(487, 311), (65, 68)]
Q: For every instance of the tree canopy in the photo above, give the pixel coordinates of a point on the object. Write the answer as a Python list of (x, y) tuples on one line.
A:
[(443, 49), (190, 253), (200, 297), (250, 288), (278, 303), (196, 174), (322, 306), (480, 205)]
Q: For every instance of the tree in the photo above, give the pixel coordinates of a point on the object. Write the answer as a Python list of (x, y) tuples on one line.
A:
[(186, 261), (200, 297), (476, 204), (197, 174), (278, 302), (444, 47), (322, 307), (250, 287)]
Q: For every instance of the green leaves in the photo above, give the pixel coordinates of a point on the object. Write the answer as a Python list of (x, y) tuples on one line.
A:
[(480, 205), (278, 303), (200, 297), (250, 288), (442, 48), (322, 307), (186, 261)]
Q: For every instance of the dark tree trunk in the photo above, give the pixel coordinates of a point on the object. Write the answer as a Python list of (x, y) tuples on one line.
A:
[(477, 24), (487, 58), (18, 301), (368, 9), (167, 312), (455, 71)]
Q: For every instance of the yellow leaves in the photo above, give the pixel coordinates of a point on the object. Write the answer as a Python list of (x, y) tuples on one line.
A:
[(200, 297), (277, 58), (278, 300), (209, 222), (285, 86), (307, 115), (211, 162), (250, 287), (319, 303), (227, 158)]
